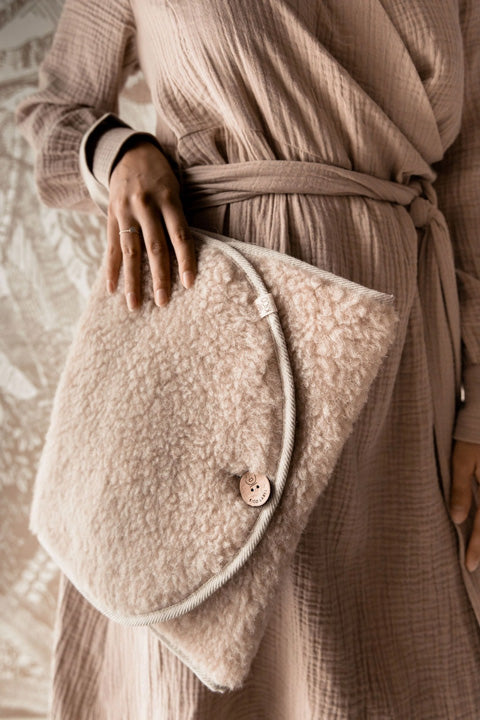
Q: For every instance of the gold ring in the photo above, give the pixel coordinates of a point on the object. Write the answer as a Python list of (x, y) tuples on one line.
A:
[(131, 230)]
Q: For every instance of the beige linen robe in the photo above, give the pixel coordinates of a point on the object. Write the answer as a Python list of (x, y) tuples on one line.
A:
[(378, 616)]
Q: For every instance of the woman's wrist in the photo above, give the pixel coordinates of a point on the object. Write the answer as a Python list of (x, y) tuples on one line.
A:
[(131, 142), (108, 142)]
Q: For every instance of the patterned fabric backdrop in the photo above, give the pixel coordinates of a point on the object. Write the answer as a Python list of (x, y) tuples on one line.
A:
[(49, 259)]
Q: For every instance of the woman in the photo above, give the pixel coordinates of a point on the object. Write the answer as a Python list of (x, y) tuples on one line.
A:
[(380, 611)]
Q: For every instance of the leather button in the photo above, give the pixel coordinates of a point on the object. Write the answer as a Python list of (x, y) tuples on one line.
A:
[(254, 488)]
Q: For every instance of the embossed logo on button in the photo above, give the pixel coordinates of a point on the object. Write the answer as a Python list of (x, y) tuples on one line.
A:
[(254, 488)]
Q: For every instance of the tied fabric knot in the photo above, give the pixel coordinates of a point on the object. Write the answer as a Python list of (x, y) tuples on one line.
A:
[(424, 206), (422, 211)]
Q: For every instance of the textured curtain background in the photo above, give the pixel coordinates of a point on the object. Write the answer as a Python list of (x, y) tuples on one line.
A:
[(49, 259)]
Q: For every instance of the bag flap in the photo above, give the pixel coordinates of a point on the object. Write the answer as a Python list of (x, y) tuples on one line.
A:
[(161, 414)]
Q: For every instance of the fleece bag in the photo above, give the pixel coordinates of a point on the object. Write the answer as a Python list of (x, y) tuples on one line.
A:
[(188, 443)]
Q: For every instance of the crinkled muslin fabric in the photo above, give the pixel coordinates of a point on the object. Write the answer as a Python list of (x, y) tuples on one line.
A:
[(377, 616)]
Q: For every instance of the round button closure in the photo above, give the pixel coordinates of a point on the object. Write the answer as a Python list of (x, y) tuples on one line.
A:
[(254, 488)]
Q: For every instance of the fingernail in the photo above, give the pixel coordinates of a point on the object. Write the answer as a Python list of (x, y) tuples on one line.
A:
[(471, 567), (131, 301), (187, 278), (457, 513), (161, 297), (110, 287)]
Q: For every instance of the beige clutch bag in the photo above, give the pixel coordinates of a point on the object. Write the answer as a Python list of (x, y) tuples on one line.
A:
[(188, 444)]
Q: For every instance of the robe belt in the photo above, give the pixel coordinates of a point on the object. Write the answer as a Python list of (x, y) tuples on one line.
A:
[(213, 185)]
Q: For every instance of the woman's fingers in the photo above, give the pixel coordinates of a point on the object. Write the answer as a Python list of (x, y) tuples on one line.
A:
[(156, 246), (465, 470), (145, 216), (131, 250), (180, 237), (472, 557), (461, 491), (114, 252)]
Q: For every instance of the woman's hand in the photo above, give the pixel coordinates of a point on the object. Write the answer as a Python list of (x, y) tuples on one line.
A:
[(143, 189), (465, 467)]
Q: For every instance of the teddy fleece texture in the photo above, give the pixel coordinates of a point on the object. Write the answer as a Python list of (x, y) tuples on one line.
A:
[(157, 415)]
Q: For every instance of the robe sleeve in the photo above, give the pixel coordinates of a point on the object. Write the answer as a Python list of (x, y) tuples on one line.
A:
[(458, 193), (80, 78)]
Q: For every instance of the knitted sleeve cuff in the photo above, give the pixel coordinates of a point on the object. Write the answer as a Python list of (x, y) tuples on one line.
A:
[(467, 424)]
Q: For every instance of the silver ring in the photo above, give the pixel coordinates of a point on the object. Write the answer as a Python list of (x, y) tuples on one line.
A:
[(131, 230)]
